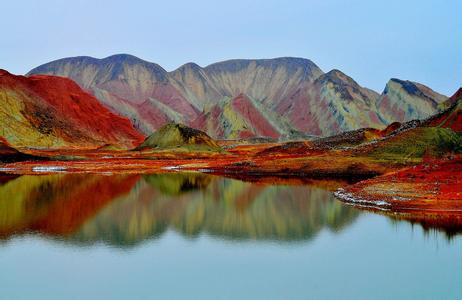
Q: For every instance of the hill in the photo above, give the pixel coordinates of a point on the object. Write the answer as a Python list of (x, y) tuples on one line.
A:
[(416, 143), (43, 111), (179, 136)]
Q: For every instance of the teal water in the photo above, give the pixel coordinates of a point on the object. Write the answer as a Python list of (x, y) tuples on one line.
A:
[(177, 236)]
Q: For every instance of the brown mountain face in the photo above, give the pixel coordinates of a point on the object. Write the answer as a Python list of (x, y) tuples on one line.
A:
[(278, 98)]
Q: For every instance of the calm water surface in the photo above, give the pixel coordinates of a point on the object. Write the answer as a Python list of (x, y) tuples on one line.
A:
[(177, 236)]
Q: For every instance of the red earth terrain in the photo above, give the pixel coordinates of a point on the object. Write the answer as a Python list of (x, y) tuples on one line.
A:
[(434, 186), (43, 111)]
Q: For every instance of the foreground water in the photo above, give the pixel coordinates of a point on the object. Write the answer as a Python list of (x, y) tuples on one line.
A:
[(176, 236)]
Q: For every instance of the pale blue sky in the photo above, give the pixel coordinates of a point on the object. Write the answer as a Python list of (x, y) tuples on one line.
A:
[(371, 41)]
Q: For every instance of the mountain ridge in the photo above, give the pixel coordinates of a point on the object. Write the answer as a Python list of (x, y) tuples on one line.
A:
[(292, 90)]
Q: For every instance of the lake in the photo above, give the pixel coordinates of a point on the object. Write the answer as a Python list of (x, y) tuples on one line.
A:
[(190, 235)]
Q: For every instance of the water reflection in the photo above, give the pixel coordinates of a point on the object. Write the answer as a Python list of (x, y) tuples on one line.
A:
[(124, 210), (449, 223), (56, 205)]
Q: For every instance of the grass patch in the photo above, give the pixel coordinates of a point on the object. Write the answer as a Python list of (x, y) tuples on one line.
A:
[(416, 143)]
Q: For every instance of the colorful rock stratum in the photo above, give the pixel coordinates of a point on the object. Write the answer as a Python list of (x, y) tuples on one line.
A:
[(289, 98)]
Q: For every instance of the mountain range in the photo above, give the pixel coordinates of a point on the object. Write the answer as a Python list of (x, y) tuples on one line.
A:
[(278, 98)]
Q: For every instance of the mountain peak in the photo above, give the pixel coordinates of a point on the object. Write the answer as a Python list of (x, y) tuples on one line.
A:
[(131, 60), (4, 72), (407, 85), (345, 86), (415, 89), (122, 57), (408, 100), (457, 95), (292, 64), (338, 77), (118, 61), (115, 62), (190, 65)]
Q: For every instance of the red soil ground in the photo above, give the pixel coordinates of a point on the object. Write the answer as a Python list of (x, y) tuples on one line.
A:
[(434, 186), (237, 160)]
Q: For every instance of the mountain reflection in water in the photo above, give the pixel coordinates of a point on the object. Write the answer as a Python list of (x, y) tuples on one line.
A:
[(124, 210)]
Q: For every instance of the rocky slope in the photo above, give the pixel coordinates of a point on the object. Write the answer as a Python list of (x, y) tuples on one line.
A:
[(451, 117), (281, 97), (407, 100), (241, 118), (333, 103), (54, 112)]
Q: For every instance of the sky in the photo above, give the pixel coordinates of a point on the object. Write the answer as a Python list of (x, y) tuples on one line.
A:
[(371, 41)]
